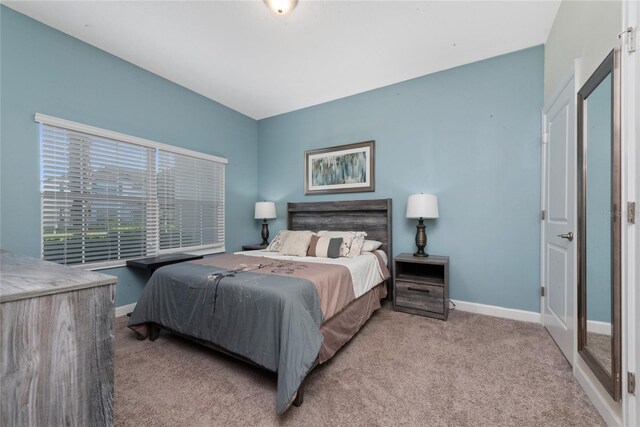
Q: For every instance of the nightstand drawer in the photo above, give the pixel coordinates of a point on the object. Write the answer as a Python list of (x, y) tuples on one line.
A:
[(420, 296)]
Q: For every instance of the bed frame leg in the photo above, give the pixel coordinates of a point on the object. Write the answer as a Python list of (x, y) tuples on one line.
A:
[(299, 396), (154, 332)]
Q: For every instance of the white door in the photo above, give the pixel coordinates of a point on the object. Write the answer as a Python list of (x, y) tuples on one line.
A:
[(558, 229)]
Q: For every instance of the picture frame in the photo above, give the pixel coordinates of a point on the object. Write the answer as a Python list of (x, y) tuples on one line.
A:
[(346, 168)]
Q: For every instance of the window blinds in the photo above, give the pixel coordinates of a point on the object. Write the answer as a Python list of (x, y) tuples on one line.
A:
[(191, 201), (105, 199)]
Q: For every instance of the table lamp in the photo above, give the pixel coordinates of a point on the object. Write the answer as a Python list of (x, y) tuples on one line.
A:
[(422, 206), (265, 211)]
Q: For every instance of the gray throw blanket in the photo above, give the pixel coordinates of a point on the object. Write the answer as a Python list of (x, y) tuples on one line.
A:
[(272, 320)]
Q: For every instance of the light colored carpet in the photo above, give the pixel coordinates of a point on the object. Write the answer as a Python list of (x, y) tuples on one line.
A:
[(399, 370)]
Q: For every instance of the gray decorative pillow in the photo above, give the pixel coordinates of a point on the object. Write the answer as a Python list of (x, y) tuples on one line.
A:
[(296, 243), (325, 247)]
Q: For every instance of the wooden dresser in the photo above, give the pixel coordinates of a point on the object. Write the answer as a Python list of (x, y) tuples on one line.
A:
[(57, 344)]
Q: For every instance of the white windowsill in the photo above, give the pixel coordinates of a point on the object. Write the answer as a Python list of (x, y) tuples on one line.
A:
[(123, 263)]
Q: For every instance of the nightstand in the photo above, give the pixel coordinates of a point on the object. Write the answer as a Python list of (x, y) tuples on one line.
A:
[(421, 285), (255, 247)]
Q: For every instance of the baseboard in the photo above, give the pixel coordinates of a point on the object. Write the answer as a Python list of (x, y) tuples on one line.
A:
[(495, 311), (596, 396), (602, 328), (471, 307), (124, 309)]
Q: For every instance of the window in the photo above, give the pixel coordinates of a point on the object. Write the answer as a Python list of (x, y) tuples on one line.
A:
[(191, 201), (108, 197)]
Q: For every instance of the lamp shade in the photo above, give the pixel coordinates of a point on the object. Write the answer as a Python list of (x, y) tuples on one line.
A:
[(265, 210), (422, 206)]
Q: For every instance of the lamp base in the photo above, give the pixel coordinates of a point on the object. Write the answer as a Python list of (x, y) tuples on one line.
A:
[(421, 239), (265, 233)]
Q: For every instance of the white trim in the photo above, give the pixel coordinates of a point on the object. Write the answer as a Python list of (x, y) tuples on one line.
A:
[(630, 256), (123, 263), (91, 266), (206, 251), (199, 250), (543, 197), (570, 75), (124, 309), (590, 387), (470, 307), (577, 70), (597, 327), (79, 127), (495, 311)]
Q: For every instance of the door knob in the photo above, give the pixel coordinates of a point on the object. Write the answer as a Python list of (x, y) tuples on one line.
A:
[(568, 236)]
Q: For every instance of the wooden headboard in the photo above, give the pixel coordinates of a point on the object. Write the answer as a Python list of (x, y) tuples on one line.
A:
[(372, 216)]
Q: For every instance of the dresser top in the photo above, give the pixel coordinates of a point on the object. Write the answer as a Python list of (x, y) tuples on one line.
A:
[(24, 277)]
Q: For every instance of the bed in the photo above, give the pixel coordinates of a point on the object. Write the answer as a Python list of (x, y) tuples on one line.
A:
[(280, 313)]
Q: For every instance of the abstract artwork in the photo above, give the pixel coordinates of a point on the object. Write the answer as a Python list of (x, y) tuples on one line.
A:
[(342, 169)]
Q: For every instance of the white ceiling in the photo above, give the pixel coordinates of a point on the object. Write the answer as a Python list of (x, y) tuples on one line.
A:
[(242, 55)]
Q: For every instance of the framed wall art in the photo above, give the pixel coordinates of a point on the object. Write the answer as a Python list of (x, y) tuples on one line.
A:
[(342, 169)]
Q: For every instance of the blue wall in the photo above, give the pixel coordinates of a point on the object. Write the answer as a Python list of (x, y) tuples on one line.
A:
[(470, 135), (46, 71)]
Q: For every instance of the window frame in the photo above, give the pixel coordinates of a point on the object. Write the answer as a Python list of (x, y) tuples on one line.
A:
[(43, 119)]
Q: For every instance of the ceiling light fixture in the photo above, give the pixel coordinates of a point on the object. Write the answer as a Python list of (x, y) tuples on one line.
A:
[(281, 7)]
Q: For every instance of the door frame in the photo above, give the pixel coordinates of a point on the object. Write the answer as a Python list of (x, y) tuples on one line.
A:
[(630, 106), (569, 76)]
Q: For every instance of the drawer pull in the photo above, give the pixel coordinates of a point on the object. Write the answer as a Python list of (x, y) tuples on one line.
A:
[(419, 290)]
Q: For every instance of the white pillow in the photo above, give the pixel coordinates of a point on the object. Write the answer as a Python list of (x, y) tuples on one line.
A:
[(370, 245), (351, 241), (275, 244), (296, 243)]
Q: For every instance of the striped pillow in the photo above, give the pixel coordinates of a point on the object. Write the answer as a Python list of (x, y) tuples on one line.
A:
[(351, 241), (325, 247)]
